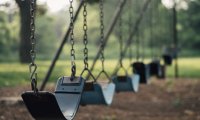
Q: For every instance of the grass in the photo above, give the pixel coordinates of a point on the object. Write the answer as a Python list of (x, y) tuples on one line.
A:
[(188, 68), (14, 74)]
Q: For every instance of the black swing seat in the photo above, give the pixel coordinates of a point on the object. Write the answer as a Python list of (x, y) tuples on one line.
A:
[(61, 105), (142, 70), (155, 68), (127, 83), (167, 59), (98, 93)]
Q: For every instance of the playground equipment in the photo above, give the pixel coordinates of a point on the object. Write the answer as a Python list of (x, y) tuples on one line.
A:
[(96, 92), (64, 102), (124, 82), (139, 67), (74, 90)]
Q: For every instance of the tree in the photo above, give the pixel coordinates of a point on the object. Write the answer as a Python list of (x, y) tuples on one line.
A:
[(189, 25), (25, 45)]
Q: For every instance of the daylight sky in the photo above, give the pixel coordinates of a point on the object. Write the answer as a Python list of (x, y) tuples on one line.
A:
[(53, 5), (56, 5)]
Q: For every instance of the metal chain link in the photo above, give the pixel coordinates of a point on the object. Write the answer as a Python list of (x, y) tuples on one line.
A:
[(102, 32), (130, 30), (137, 44), (73, 64), (33, 66), (85, 40), (151, 28), (130, 52), (120, 40), (137, 34)]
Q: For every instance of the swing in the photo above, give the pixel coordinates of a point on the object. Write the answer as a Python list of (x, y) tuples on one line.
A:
[(64, 102), (167, 59), (168, 52), (96, 93), (142, 70), (125, 83), (155, 68), (60, 105), (154, 65), (139, 67)]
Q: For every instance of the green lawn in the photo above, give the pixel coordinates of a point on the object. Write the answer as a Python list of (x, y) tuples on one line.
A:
[(188, 68), (12, 74)]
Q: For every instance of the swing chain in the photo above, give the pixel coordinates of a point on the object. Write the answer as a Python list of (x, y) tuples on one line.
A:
[(102, 33), (130, 30), (120, 40), (130, 52), (33, 66), (73, 67), (85, 40), (151, 28), (137, 45)]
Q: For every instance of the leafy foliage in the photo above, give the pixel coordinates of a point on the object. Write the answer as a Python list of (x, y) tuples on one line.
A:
[(9, 32), (50, 29), (189, 26)]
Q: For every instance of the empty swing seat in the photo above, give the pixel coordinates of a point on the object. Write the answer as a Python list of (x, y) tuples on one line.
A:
[(155, 68), (167, 59), (61, 105), (96, 93), (142, 70), (127, 83)]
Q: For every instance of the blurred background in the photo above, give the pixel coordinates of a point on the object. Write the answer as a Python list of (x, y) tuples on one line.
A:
[(52, 22)]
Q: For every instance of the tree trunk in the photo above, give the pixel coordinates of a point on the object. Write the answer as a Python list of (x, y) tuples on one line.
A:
[(25, 45)]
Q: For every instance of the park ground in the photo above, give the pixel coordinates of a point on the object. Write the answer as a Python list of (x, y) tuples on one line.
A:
[(160, 100), (169, 99)]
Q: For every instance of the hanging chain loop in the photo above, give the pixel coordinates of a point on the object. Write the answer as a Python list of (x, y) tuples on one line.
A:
[(121, 47), (33, 65), (73, 64), (102, 33), (85, 40)]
